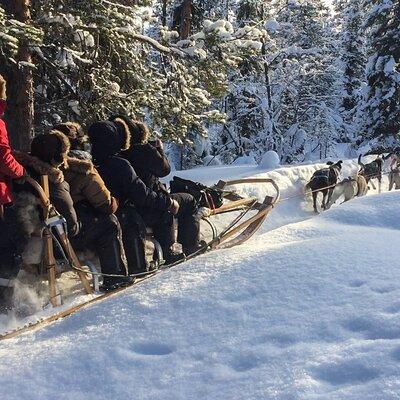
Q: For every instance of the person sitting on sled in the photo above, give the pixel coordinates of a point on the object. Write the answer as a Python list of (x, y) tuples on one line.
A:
[(150, 163), (95, 208), (79, 141), (108, 138), (11, 245), (90, 221)]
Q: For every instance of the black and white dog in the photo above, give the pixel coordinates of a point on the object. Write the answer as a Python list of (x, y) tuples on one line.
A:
[(324, 181), (373, 170)]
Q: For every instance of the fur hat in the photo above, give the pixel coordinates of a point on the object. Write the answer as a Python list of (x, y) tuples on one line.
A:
[(51, 148), (139, 131), (108, 138), (74, 133)]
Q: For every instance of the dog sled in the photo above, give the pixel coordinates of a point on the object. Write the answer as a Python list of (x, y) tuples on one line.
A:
[(249, 214)]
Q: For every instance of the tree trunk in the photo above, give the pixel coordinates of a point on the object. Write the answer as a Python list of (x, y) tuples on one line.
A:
[(164, 13), (186, 19), (19, 116)]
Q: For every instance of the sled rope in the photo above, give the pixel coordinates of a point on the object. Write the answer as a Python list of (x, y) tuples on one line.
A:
[(323, 188)]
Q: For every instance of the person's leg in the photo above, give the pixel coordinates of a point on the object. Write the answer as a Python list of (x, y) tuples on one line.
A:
[(163, 225), (188, 222), (102, 233), (12, 243), (133, 235)]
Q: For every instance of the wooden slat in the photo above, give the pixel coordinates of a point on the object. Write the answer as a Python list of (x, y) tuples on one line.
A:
[(233, 205), (49, 259)]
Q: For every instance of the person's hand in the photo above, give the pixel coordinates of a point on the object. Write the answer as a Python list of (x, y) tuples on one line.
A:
[(22, 179), (174, 207), (158, 144), (3, 88)]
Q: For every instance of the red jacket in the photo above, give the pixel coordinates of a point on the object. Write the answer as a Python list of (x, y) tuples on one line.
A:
[(9, 167)]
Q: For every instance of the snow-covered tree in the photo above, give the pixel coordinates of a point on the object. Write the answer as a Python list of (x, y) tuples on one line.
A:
[(380, 110), (352, 54)]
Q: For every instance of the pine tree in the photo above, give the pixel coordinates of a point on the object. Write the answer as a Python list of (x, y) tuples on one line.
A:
[(352, 55), (380, 111)]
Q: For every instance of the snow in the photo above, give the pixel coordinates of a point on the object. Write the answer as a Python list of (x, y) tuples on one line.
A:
[(270, 160), (308, 309), (244, 160)]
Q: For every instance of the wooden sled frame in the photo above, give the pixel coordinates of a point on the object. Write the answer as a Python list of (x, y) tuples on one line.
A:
[(245, 230), (49, 260), (233, 236)]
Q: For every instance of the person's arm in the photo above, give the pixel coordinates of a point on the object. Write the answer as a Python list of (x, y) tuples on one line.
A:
[(9, 166), (159, 165), (62, 201), (149, 158), (134, 189), (97, 194)]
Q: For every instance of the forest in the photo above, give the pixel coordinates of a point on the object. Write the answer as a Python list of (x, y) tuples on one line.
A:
[(220, 81)]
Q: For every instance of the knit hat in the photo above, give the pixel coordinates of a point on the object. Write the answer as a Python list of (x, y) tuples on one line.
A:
[(74, 133), (51, 148)]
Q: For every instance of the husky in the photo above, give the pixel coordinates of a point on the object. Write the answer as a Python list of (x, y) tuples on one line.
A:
[(324, 181), (349, 188), (373, 170), (394, 174)]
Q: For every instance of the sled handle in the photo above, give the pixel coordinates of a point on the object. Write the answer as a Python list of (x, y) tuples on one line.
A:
[(43, 196), (222, 184)]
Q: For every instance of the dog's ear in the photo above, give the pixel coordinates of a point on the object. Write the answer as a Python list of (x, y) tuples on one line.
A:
[(329, 163)]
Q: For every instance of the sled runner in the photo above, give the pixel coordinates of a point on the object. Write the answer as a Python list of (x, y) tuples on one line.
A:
[(236, 233)]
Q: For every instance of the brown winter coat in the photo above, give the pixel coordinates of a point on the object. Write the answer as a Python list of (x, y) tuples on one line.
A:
[(87, 185)]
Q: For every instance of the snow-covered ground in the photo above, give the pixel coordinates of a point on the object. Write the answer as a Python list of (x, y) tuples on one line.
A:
[(308, 309)]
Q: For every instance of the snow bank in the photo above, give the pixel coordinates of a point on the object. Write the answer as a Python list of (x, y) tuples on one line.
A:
[(306, 310)]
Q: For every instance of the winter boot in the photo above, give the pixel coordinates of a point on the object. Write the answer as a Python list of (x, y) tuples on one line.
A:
[(172, 256), (112, 283), (201, 245)]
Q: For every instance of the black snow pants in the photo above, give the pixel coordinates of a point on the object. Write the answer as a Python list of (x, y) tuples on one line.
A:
[(134, 222), (12, 243), (188, 224), (102, 234)]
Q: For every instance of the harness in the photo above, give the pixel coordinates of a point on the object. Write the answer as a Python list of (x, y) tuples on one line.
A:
[(322, 173)]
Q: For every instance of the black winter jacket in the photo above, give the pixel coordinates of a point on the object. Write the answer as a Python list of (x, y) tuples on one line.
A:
[(124, 184), (150, 163)]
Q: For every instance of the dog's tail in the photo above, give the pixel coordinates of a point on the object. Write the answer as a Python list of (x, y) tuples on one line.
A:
[(359, 160)]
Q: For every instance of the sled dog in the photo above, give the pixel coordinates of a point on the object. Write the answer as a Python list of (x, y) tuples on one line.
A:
[(349, 188), (324, 181)]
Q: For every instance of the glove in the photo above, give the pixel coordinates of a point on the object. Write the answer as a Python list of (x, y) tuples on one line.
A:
[(22, 179), (174, 207)]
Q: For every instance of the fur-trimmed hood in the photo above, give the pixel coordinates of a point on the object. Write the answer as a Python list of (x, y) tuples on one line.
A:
[(40, 167), (80, 166)]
